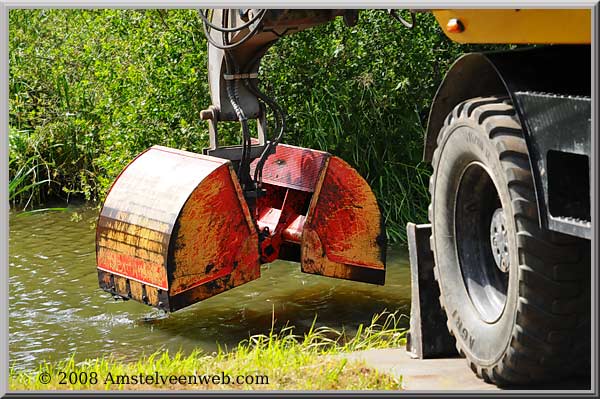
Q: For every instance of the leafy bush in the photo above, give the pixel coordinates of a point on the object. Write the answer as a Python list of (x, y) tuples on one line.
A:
[(89, 89)]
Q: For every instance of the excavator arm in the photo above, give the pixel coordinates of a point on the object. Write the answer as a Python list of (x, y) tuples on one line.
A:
[(237, 41)]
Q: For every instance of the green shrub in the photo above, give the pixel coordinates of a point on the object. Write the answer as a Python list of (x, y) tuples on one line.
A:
[(91, 89)]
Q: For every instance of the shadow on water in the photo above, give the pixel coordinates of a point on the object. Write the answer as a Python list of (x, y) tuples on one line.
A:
[(57, 309)]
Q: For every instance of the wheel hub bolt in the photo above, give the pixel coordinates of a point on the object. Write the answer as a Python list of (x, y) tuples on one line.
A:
[(499, 240)]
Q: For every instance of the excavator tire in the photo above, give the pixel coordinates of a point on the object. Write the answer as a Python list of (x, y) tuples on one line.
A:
[(521, 316)]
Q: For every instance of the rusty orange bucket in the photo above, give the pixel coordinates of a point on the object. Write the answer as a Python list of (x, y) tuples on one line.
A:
[(175, 227)]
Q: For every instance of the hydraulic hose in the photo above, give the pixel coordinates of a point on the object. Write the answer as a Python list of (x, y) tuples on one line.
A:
[(234, 29), (226, 46)]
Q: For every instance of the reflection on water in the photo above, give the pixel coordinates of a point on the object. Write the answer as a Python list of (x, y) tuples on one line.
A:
[(57, 309)]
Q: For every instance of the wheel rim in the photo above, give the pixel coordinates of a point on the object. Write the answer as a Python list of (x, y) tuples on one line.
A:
[(482, 241)]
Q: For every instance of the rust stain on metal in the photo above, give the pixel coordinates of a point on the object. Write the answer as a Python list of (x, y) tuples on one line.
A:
[(152, 295), (131, 266), (121, 285), (140, 240), (137, 291), (135, 249)]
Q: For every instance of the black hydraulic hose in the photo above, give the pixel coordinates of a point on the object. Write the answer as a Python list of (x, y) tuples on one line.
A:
[(243, 165), (277, 111), (235, 29), (251, 85), (233, 99), (280, 127), (233, 95), (239, 42), (274, 106)]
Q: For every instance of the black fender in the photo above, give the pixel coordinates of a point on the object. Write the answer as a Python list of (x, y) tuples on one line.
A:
[(561, 70)]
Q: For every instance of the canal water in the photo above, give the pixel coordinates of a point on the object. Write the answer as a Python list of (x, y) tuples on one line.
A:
[(57, 310)]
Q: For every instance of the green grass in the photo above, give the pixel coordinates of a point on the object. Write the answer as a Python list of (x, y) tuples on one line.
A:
[(290, 362)]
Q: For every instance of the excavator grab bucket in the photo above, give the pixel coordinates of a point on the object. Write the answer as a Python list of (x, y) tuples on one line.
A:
[(321, 212), (175, 227), (174, 230)]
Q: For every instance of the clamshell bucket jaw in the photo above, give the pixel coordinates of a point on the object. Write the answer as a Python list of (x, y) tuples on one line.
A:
[(343, 235), (174, 230), (335, 220)]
